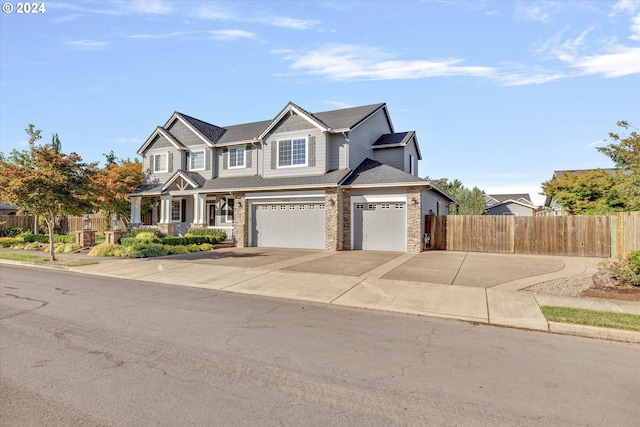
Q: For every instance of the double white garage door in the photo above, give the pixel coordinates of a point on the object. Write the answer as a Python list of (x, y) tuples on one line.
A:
[(288, 225), (376, 226)]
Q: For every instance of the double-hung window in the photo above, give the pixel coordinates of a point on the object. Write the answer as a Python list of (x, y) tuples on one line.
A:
[(236, 157), (196, 160), (292, 152), (159, 163), (176, 210)]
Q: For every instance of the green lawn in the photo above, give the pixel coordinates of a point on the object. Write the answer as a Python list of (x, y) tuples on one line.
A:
[(606, 319), (44, 259)]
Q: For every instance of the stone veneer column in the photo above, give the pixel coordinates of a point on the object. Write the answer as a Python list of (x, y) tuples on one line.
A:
[(414, 219), (332, 220), (240, 221), (346, 219)]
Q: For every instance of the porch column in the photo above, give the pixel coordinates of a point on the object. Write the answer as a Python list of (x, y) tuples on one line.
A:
[(199, 209), (136, 207), (165, 209)]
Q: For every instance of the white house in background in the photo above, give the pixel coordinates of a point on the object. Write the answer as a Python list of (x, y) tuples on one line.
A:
[(334, 180), (509, 204)]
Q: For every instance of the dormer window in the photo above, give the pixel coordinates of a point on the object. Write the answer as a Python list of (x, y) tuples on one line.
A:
[(236, 157), (292, 152), (196, 160), (159, 163)]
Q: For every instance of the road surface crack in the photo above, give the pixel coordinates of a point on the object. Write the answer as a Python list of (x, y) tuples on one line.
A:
[(42, 304)]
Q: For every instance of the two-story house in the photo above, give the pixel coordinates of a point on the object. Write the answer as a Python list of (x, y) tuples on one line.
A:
[(341, 179)]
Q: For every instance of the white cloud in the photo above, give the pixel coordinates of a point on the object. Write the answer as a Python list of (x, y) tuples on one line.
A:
[(353, 62), (290, 23), (623, 61), (532, 13), (153, 7), (156, 36), (86, 44), (523, 79), (127, 140), (232, 34), (214, 12), (595, 143)]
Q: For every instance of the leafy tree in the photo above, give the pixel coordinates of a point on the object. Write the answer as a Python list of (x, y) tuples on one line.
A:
[(112, 185), (46, 181), (467, 201), (597, 192)]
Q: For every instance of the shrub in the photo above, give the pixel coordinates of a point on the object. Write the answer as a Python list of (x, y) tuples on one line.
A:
[(134, 231), (104, 249), (130, 241), (177, 249), (34, 246), (10, 232), (623, 270), (147, 250), (634, 261), (6, 242), (66, 248), (146, 235), (44, 238), (211, 232)]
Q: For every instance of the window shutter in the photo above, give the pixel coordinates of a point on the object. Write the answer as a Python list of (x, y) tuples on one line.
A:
[(170, 161), (184, 210), (274, 154), (225, 158), (312, 151), (248, 154), (207, 159)]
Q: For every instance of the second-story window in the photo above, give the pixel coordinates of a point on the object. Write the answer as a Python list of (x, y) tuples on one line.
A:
[(196, 160), (292, 152), (159, 163), (236, 157)]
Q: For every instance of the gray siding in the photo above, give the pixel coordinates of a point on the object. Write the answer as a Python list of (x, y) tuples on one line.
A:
[(184, 134), (510, 209), (300, 130), (174, 161), (410, 149), (251, 162), (336, 152), (430, 201), (395, 157), (364, 135)]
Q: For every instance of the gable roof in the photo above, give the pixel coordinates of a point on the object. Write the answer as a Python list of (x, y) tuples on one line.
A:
[(192, 178), (166, 134), (510, 202), (499, 198), (211, 133), (399, 139), (371, 173)]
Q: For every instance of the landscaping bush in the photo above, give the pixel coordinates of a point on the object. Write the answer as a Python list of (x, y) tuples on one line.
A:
[(147, 250), (44, 238), (65, 248), (625, 271), (10, 232), (103, 249), (6, 242), (211, 232), (134, 231), (174, 250), (130, 241), (33, 246)]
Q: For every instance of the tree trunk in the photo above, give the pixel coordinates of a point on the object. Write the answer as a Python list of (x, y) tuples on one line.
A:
[(51, 222)]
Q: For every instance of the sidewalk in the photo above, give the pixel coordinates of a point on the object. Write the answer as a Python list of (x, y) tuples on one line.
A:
[(370, 281)]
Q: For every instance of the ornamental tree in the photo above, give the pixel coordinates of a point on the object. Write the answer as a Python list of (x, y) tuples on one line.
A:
[(112, 185), (50, 183)]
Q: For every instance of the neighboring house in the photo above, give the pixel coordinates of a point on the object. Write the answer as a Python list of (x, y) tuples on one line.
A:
[(334, 180), (551, 206), (509, 204), (7, 209)]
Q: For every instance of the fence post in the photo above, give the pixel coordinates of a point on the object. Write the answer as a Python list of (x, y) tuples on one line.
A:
[(614, 235)]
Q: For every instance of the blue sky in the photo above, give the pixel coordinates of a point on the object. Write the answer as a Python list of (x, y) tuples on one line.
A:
[(500, 93)]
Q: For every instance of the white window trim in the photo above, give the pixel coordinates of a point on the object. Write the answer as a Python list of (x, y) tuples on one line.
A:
[(306, 153), (153, 163), (226, 218), (204, 161), (244, 158)]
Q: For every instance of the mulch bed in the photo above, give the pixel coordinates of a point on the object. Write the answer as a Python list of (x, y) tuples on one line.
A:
[(623, 293)]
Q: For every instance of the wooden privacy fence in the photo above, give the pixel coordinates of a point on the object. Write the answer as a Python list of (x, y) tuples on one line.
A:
[(16, 221), (595, 236)]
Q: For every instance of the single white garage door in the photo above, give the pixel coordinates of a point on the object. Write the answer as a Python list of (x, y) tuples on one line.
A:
[(288, 225), (380, 226)]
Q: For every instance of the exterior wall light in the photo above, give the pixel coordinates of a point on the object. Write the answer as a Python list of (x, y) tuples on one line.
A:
[(86, 223)]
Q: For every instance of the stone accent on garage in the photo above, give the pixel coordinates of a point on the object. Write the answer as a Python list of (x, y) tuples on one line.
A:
[(241, 221), (414, 220), (346, 219), (332, 215)]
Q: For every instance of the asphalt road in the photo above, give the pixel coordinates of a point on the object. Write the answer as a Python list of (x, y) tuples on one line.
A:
[(93, 351)]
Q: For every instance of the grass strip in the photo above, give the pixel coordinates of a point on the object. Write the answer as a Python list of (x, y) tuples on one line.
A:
[(605, 319), (44, 260)]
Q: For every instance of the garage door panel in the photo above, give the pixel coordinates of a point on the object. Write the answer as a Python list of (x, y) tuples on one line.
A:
[(379, 226), (293, 225)]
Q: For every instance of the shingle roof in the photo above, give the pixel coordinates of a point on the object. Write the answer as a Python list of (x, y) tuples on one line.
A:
[(209, 131), (244, 132), (373, 172), (504, 197), (258, 182), (347, 118)]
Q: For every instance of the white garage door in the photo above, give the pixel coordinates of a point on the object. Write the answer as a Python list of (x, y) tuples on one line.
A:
[(288, 225), (380, 226)]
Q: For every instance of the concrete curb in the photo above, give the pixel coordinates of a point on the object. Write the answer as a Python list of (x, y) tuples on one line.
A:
[(594, 332)]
